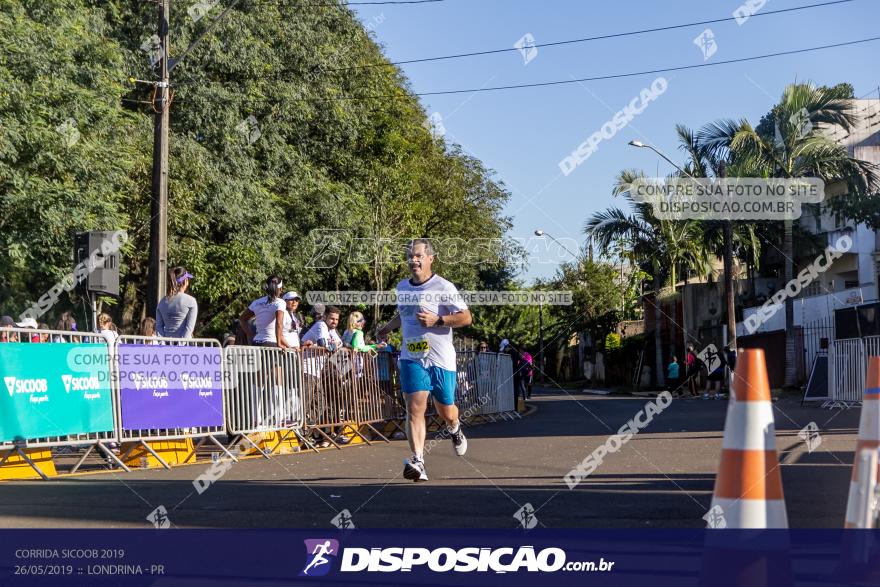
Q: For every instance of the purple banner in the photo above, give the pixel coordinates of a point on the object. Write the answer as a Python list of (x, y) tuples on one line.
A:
[(170, 386)]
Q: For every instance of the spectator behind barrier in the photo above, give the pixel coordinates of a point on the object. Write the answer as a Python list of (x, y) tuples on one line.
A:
[(43, 336), (353, 337), (107, 329), (66, 323), (293, 320), (5, 336), (176, 314), (323, 332), (317, 314), (268, 314), (29, 323), (148, 328)]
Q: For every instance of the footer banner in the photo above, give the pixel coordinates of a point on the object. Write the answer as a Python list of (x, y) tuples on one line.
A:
[(439, 557)]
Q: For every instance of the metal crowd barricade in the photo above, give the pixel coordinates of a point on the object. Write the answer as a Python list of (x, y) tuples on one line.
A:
[(504, 392), (369, 395), (341, 393), (493, 373), (168, 389), (484, 389), (73, 382), (264, 393), (470, 401), (847, 365)]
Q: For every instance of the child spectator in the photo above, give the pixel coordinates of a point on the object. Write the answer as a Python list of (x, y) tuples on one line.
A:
[(673, 375)]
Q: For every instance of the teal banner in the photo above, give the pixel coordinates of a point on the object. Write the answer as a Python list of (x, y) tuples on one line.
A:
[(54, 389)]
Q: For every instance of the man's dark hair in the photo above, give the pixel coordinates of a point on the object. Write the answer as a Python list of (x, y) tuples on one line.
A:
[(429, 250), (332, 310)]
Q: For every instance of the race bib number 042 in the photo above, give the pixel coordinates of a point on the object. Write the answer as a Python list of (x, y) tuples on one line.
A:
[(417, 346)]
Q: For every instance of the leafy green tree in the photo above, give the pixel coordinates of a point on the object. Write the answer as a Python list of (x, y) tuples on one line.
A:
[(794, 150), (273, 148)]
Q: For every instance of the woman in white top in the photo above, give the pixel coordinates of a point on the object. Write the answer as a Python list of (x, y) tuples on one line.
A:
[(293, 321), (268, 314)]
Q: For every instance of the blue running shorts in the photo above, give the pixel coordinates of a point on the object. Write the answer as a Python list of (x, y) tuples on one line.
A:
[(440, 382)]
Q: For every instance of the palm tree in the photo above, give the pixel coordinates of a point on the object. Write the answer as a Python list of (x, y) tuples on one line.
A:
[(660, 247), (798, 148)]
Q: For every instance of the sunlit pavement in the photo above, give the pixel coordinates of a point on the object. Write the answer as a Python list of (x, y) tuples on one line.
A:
[(663, 477)]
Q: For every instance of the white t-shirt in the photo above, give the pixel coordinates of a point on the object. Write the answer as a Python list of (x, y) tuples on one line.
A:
[(430, 346), (264, 320), (290, 331), (110, 336), (321, 330)]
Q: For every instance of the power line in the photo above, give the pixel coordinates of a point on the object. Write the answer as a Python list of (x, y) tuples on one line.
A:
[(607, 77), (587, 39), (572, 81)]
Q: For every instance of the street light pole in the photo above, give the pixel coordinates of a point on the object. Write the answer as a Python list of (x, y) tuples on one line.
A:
[(642, 145), (540, 232)]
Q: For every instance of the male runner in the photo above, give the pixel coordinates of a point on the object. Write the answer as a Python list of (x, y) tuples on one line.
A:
[(429, 307)]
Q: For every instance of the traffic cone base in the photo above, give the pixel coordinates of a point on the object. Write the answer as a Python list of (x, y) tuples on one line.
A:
[(748, 488), (869, 439)]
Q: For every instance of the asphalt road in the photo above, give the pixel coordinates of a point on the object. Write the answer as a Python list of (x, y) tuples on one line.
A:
[(663, 477)]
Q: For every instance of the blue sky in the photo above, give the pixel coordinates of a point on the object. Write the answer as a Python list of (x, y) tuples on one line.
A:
[(523, 134)]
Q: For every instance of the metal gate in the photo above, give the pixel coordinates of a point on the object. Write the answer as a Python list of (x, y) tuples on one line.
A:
[(815, 335), (847, 363)]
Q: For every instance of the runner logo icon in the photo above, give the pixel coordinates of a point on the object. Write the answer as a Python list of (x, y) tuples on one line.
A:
[(320, 554)]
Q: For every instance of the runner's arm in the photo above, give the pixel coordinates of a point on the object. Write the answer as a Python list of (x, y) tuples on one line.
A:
[(389, 326), (457, 320)]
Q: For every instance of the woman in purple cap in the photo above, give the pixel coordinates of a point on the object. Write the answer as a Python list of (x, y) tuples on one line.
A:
[(177, 312)]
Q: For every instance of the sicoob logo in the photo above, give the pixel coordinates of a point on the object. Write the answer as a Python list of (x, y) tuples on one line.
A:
[(15, 385), (320, 554)]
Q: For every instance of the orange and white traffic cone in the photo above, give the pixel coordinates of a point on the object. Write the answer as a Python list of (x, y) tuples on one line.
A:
[(748, 488), (858, 510), (859, 553)]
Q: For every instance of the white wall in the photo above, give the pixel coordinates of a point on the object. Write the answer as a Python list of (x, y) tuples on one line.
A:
[(808, 310)]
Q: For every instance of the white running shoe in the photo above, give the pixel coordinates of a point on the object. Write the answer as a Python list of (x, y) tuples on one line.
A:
[(414, 469), (459, 442)]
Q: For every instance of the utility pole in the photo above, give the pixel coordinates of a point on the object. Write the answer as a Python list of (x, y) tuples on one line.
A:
[(158, 269)]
